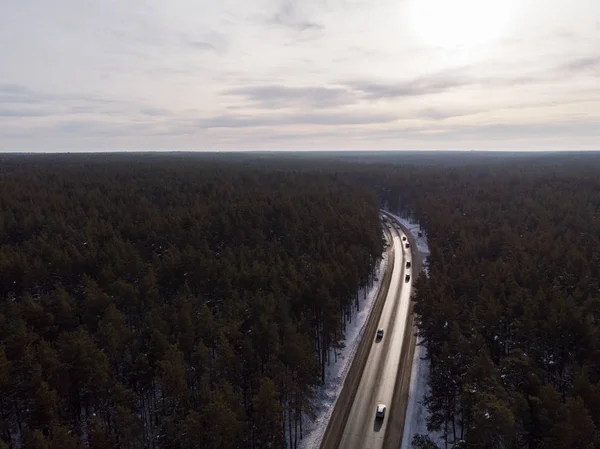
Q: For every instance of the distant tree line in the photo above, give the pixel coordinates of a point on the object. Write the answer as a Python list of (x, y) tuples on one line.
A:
[(172, 302)]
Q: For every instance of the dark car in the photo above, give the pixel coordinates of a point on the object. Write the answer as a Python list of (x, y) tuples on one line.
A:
[(379, 333), (407, 278), (407, 245), (408, 264), (404, 237)]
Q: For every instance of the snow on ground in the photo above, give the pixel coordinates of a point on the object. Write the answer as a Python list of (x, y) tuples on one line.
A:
[(416, 413), (335, 374)]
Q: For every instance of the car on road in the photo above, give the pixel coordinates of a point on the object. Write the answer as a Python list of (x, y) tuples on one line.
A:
[(404, 238), (380, 413), (379, 333), (408, 264), (407, 245), (407, 278)]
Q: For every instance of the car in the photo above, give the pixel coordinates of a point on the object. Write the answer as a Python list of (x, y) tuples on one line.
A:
[(407, 278), (404, 238), (380, 333), (408, 264), (380, 413)]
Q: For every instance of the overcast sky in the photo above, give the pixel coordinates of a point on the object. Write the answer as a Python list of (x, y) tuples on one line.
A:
[(291, 74)]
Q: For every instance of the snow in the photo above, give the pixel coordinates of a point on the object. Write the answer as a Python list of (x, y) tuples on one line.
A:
[(416, 413), (326, 395)]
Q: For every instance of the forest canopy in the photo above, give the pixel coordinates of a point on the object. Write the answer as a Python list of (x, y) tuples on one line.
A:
[(173, 303), (510, 312), (179, 302)]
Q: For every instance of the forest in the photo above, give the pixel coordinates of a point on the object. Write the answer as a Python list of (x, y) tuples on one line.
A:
[(167, 302), (510, 312), (193, 302)]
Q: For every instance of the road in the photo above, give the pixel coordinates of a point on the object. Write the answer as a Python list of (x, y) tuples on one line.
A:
[(378, 379)]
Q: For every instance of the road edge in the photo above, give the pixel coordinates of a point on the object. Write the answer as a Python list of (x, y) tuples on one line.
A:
[(335, 427)]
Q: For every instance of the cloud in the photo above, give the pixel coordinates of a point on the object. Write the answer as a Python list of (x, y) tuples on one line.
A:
[(239, 121), (581, 64), (563, 33), (289, 16), (212, 41), (99, 128), (20, 101), (378, 90), (202, 45), (400, 136), (14, 93), (531, 130), (19, 94), (439, 114), (456, 78), (424, 85), (492, 132), (22, 112), (155, 112), (277, 97), (86, 126)]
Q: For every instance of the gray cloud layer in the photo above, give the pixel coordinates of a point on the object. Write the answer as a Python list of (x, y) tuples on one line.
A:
[(270, 97), (582, 64), (236, 121), (289, 15)]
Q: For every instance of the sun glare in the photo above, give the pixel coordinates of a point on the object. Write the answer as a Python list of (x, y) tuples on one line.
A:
[(459, 23)]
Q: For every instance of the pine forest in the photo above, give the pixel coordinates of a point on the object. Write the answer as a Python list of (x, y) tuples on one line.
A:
[(179, 301)]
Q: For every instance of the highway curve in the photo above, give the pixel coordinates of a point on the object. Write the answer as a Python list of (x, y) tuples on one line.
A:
[(378, 379)]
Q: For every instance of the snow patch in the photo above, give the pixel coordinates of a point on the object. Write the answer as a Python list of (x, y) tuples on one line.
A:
[(335, 374), (416, 412)]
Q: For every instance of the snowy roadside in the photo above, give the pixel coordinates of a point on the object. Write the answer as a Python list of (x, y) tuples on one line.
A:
[(421, 240), (335, 374), (416, 413)]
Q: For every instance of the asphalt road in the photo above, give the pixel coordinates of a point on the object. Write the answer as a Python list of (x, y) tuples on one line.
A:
[(378, 379)]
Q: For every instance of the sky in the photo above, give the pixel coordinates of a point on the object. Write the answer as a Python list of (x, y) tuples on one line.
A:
[(114, 75)]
